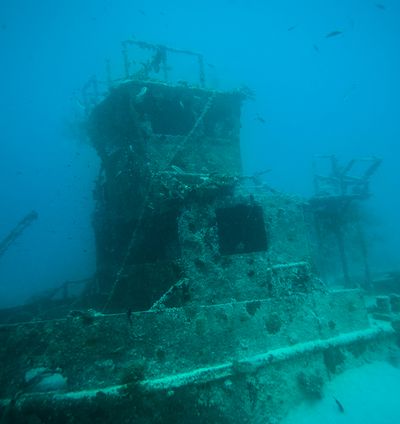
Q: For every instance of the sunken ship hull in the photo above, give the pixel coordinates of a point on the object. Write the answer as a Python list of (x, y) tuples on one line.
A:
[(209, 302)]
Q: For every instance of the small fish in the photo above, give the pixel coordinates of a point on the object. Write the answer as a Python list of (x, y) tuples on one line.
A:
[(339, 405), (210, 65), (259, 118), (316, 48), (291, 28), (380, 6), (142, 12), (333, 34)]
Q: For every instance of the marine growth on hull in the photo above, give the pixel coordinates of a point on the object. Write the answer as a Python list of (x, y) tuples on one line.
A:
[(210, 300)]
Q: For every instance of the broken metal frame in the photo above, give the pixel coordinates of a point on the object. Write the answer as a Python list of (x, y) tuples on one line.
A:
[(335, 192), (17, 231), (157, 62), (339, 183)]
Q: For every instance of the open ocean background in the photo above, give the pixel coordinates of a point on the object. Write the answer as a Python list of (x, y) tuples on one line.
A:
[(314, 95)]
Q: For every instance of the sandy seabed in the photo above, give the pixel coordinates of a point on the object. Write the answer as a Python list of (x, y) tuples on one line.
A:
[(369, 395)]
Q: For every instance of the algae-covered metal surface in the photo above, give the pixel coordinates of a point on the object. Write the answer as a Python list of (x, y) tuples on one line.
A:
[(96, 351)]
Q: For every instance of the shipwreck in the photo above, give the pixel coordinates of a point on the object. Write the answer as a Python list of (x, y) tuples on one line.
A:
[(216, 298)]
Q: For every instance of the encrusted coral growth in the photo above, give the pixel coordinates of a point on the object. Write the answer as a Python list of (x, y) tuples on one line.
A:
[(273, 323), (311, 384), (134, 372)]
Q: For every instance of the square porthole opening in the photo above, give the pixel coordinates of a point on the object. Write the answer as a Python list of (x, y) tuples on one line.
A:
[(241, 229)]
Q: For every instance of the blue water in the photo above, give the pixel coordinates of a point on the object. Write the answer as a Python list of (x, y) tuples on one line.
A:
[(316, 95)]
